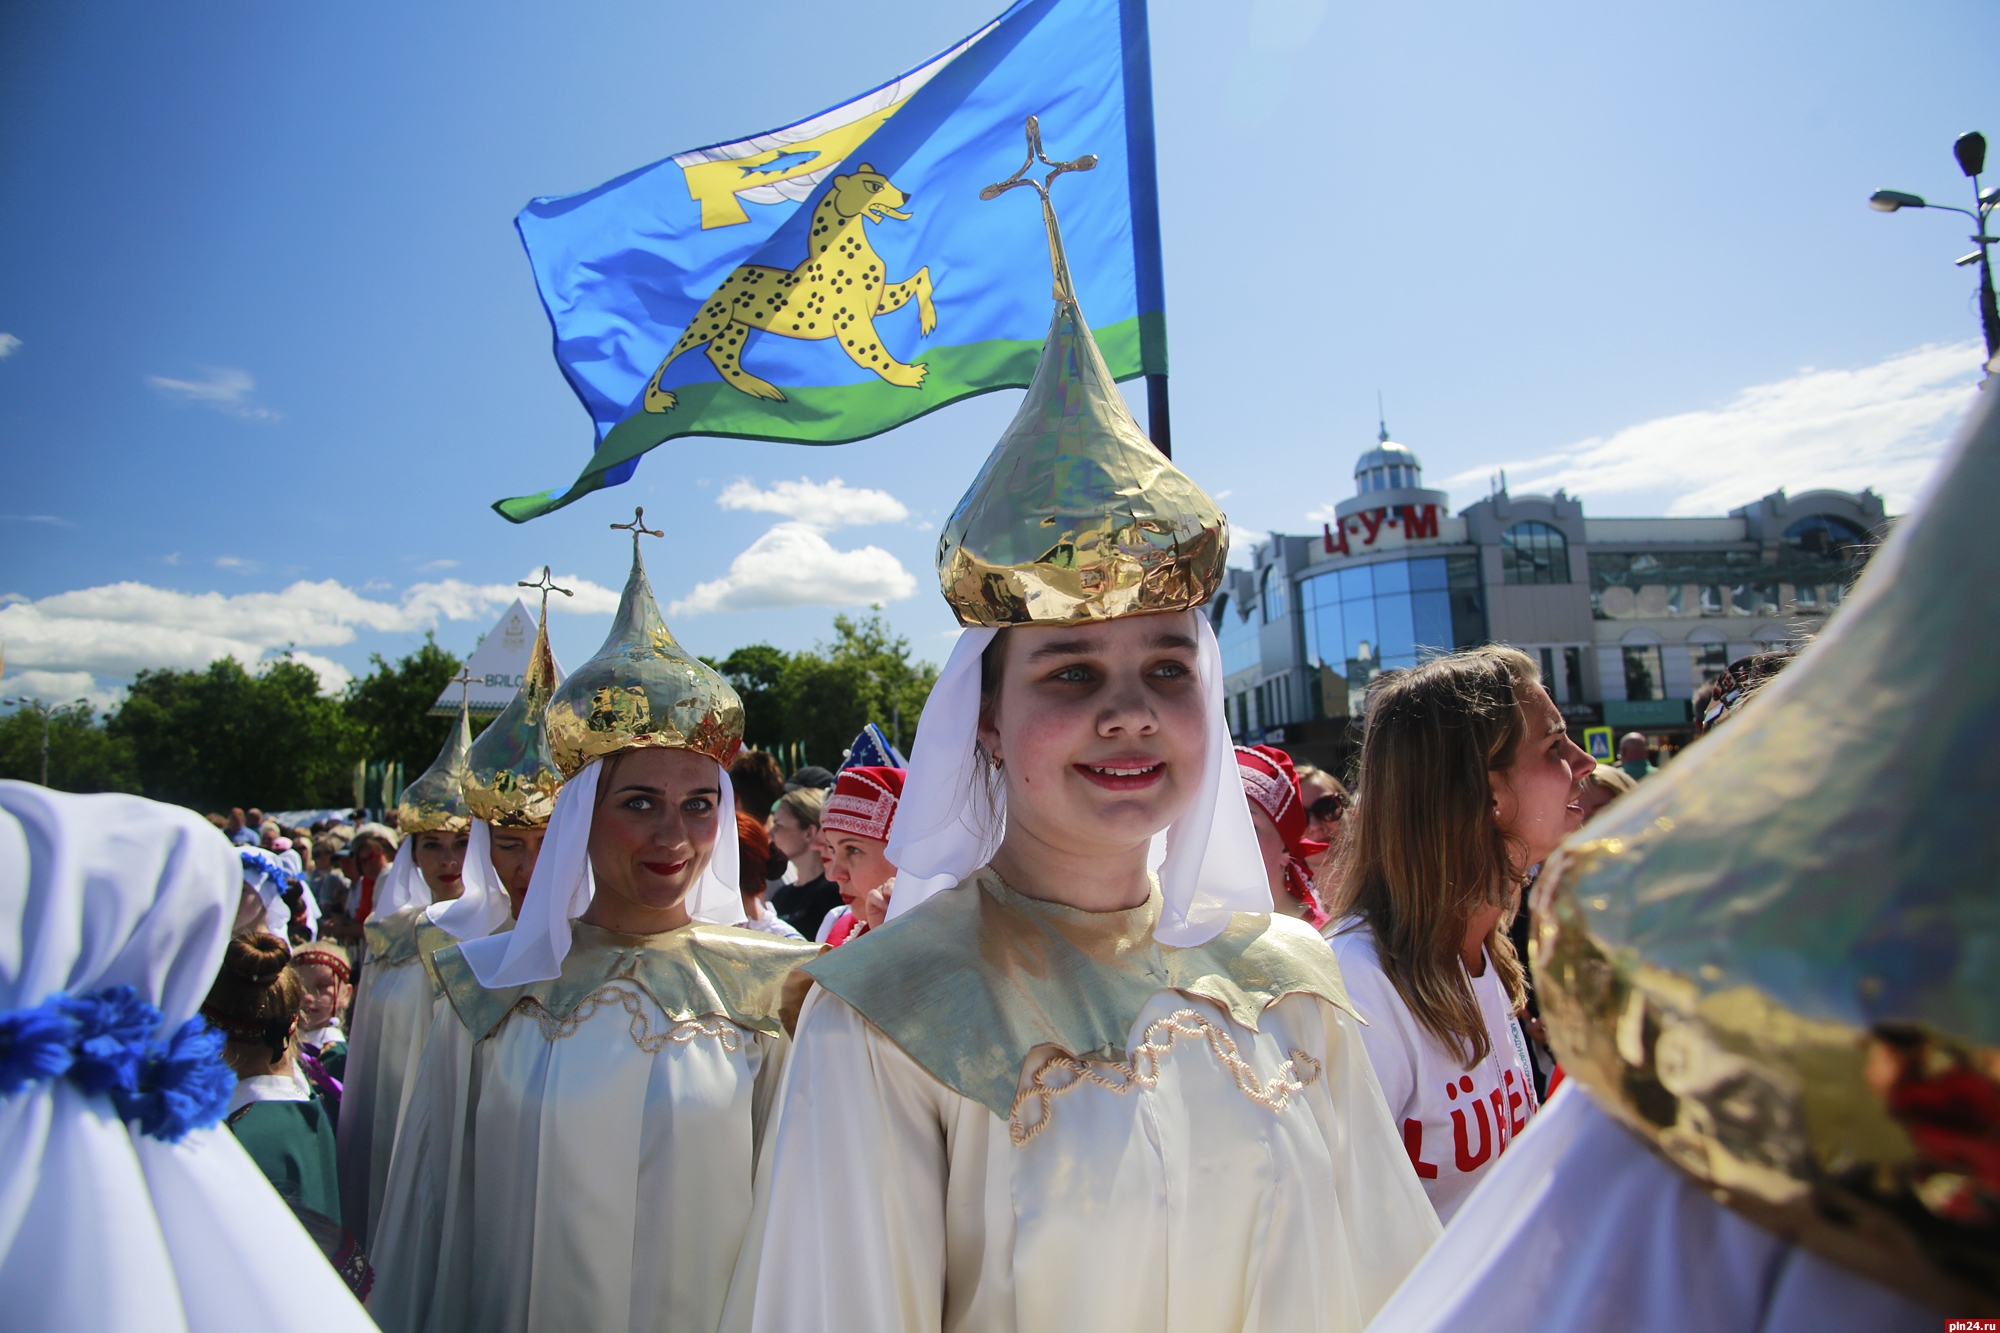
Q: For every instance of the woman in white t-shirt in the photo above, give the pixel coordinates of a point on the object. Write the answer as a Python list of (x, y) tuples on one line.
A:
[(1468, 777)]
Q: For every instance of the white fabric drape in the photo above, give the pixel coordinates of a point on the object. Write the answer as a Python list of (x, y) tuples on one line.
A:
[(1212, 866), (1581, 1228), (482, 907), (402, 883), (277, 912), (545, 1186), (425, 1171), (562, 887), (392, 1012), (1181, 1206), (102, 1227)]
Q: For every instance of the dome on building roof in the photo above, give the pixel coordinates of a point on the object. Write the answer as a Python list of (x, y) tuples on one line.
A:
[(1387, 467), (1384, 454)]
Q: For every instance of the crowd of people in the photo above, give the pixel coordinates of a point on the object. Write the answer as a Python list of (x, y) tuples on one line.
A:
[(1079, 1016)]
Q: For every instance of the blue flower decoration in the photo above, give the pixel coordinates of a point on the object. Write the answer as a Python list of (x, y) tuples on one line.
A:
[(102, 1041), (112, 1027), (183, 1084), (34, 1044)]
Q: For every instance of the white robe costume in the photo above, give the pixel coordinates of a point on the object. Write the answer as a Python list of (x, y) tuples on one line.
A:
[(101, 1225), (1007, 1115), (392, 1003), (582, 1148), (417, 1177), (1235, 1170), (1582, 1227)]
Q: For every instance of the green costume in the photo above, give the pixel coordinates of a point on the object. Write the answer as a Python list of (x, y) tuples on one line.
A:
[(292, 1144)]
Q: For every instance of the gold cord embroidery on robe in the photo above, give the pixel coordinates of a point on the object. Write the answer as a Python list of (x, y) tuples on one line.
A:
[(697, 972), (1142, 1070), (643, 1036)]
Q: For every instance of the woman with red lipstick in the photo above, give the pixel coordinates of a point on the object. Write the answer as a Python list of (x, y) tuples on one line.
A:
[(856, 825), (597, 1162), (393, 998), (1057, 1090), (1469, 778)]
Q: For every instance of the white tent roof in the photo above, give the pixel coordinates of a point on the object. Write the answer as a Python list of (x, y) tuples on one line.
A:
[(498, 666)]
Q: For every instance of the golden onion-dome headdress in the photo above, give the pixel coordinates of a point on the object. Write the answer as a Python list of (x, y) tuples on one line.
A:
[(511, 778), (436, 800), (642, 688), (1775, 960), (1076, 516)]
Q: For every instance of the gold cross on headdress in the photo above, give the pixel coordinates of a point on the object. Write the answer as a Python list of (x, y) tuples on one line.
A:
[(547, 584), (1058, 261), (637, 526), (463, 680)]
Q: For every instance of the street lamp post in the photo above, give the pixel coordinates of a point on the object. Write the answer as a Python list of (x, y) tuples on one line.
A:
[(1970, 150), (43, 709)]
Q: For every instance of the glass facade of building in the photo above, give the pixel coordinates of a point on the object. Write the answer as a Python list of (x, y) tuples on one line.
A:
[(1361, 622), (1237, 634)]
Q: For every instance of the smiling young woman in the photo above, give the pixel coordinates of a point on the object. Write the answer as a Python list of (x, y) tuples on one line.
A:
[(1470, 779), (593, 1157), (1058, 1090)]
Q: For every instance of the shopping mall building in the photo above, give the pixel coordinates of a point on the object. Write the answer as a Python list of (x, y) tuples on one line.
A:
[(1627, 616)]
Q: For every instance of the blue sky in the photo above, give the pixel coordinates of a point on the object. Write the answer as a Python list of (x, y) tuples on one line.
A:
[(273, 347)]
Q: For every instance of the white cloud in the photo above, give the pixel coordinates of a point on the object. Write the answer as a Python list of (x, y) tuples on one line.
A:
[(793, 565), (59, 688), (49, 519), (227, 390), (822, 505), (122, 628), (9, 344), (237, 563), (333, 677), (585, 599), (435, 566), (1883, 425)]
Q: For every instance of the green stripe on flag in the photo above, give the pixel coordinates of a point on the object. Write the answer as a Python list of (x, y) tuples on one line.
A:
[(843, 413)]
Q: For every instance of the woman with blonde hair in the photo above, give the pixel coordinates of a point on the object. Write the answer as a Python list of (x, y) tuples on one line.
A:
[(1468, 778)]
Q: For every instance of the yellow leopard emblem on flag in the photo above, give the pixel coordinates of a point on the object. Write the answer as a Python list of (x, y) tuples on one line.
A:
[(835, 293)]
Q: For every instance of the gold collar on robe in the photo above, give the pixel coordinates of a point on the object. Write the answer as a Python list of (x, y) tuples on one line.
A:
[(969, 984), (431, 937), (392, 940), (694, 972)]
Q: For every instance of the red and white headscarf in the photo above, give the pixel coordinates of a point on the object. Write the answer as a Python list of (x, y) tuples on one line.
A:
[(1270, 781), (863, 802)]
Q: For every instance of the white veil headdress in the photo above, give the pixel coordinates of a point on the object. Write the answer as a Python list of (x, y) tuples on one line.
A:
[(103, 1226), (482, 907), (1212, 865), (270, 889), (562, 887), (402, 883)]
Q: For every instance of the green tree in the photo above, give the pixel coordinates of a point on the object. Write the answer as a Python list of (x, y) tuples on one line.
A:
[(83, 756), (390, 707), (824, 697), (757, 672), (221, 737), (896, 687)]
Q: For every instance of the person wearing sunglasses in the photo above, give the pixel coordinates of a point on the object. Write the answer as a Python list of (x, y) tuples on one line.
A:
[(1325, 802)]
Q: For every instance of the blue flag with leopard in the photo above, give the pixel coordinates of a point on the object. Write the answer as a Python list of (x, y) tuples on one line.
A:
[(836, 278)]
